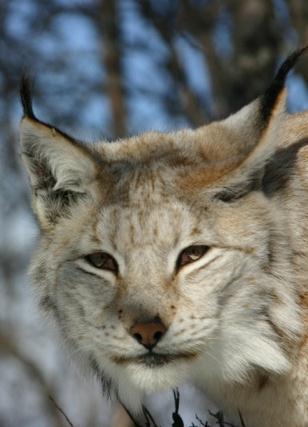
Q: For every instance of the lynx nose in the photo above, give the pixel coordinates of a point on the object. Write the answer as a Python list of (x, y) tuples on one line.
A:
[(148, 333)]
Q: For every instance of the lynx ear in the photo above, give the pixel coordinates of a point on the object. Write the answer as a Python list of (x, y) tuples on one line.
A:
[(60, 168), (255, 129)]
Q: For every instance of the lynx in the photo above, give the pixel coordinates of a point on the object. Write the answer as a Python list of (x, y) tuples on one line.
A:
[(179, 256)]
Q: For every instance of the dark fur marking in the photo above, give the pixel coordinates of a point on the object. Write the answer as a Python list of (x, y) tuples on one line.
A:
[(262, 381), (236, 192), (58, 203), (80, 309), (280, 167), (26, 86), (269, 98), (268, 101), (94, 366), (271, 252), (47, 304), (106, 383), (276, 175), (277, 331), (40, 273), (226, 293), (74, 141)]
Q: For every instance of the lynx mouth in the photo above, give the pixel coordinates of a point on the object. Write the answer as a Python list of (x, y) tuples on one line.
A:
[(152, 359)]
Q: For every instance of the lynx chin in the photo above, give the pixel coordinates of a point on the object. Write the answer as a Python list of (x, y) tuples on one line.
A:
[(180, 256)]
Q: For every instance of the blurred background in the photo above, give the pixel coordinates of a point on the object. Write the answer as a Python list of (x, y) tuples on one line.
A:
[(108, 69)]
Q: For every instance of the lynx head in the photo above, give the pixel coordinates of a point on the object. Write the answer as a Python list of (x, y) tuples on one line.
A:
[(164, 255)]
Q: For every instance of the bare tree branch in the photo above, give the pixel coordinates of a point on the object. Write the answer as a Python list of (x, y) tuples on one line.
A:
[(9, 349), (190, 102), (112, 54)]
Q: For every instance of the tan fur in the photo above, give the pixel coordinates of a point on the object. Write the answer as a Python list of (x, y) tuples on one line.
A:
[(237, 318)]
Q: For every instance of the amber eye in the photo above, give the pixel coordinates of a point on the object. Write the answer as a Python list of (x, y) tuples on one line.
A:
[(103, 261), (191, 254)]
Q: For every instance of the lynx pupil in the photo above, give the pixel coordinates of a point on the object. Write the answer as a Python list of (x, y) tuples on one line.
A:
[(191, 254), (103, 261)]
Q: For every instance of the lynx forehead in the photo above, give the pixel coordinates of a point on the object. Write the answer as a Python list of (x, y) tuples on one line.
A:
[(181, 256)]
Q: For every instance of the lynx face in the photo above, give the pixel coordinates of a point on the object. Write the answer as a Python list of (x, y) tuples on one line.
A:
[(220, 294), (159, 254)]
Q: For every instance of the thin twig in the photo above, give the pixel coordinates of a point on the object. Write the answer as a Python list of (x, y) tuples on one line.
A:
[(148, 416), (242, 419), (206, 424), (61, 411), (9, 348), (130, 415), (191, 104), (219, 416), (177, 419)]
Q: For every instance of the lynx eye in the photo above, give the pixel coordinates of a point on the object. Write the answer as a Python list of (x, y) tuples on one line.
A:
[(103, 261), (191, 254)]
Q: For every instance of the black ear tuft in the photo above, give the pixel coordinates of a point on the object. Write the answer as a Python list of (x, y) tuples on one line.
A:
[(26, 86), (269, 98)]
